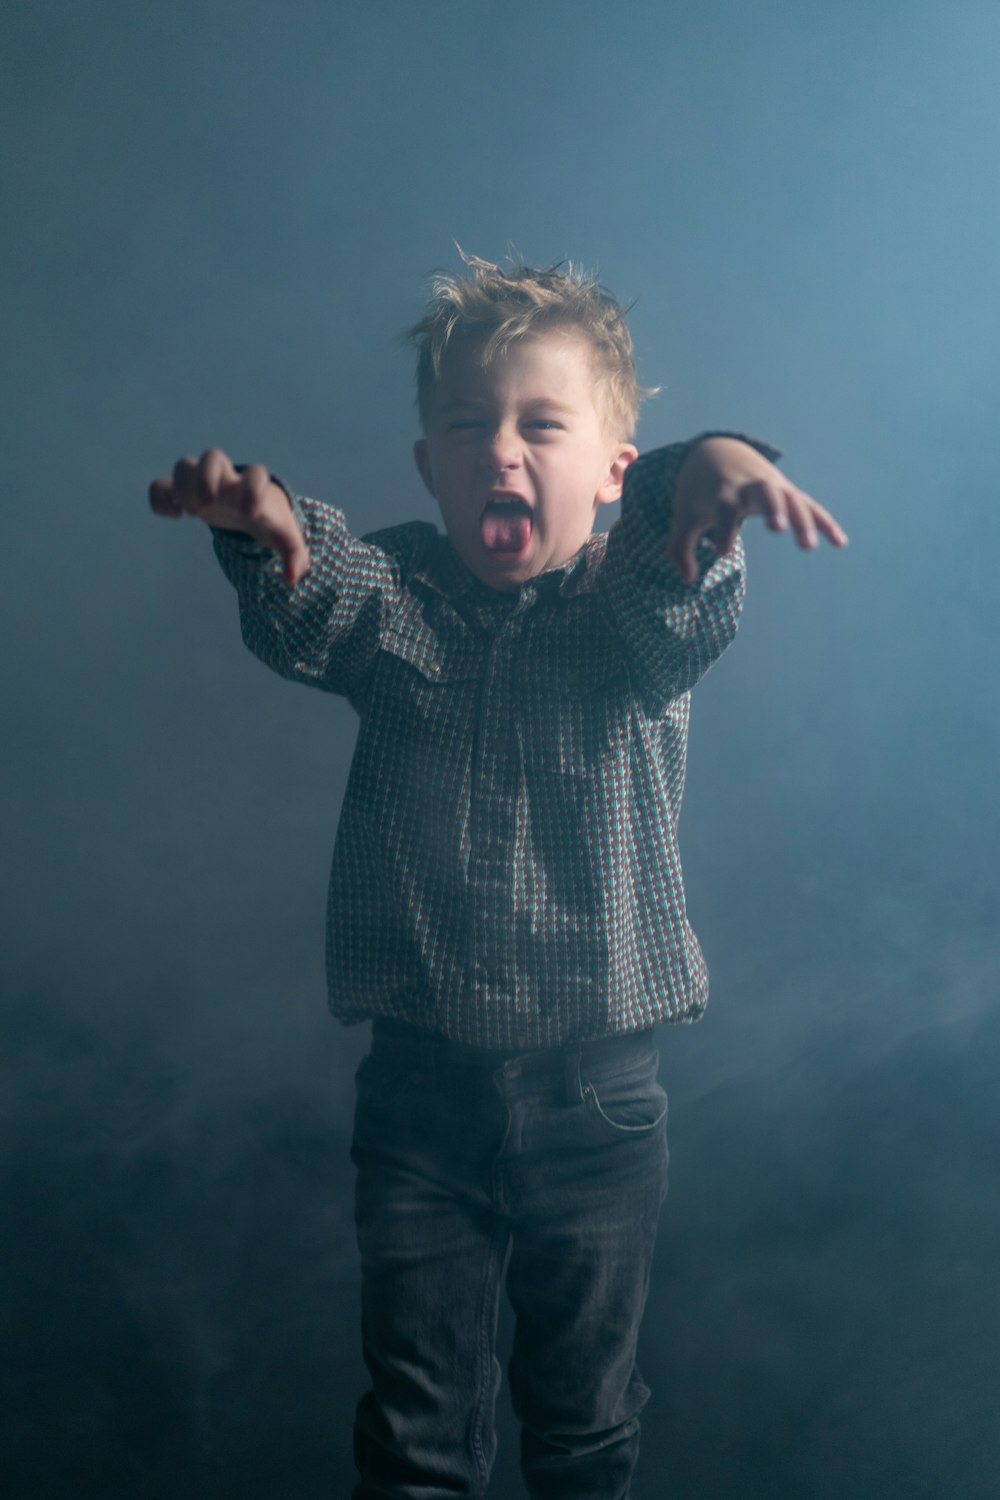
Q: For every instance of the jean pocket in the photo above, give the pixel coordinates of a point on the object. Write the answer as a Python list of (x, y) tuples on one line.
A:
[(382, 1079), (630, 1106)]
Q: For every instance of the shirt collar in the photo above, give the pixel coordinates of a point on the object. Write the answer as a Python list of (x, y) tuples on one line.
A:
[(445, 572)]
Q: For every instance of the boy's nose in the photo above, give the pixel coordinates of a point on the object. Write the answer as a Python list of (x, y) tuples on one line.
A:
[(503, 451)]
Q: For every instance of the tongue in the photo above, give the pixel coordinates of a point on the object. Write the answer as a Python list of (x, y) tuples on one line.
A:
[(505, 529)]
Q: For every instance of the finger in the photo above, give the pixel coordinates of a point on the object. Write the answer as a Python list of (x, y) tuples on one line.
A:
[(800, 516), (726, 530), (162, 500), (255, 482), (282, 536), (828, 526), (769, 500), (297, 565), (186, 483), (214, 471), (681, 552), (291, 549)]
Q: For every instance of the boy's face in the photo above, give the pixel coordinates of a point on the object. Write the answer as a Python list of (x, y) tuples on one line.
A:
[(518, 454)]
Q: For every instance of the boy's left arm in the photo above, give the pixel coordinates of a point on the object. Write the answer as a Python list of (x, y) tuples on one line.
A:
[(673, 577)]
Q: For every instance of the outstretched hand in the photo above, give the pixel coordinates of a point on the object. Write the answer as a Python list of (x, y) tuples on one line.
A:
[(246, 500), (723, 481)]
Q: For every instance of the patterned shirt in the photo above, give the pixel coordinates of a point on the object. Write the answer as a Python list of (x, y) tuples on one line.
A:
[(506, 869)]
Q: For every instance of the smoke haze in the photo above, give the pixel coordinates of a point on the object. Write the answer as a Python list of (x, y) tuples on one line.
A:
[(218, 219)]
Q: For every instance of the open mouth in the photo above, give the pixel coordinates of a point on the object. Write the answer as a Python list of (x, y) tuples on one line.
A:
[(505, 525)]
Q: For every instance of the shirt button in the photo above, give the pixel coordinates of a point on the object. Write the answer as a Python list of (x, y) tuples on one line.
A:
[(434, 668)]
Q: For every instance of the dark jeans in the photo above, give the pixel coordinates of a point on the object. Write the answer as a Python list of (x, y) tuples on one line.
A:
[(552, 1162)]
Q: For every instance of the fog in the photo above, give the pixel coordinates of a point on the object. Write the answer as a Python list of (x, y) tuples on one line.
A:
[(218, 218)]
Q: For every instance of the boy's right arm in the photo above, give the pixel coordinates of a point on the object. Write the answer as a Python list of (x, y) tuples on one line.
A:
[(313, 598)]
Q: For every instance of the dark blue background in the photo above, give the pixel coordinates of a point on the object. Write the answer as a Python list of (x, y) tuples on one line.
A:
[(216, 220)]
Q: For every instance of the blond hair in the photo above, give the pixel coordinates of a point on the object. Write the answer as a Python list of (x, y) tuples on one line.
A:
[(496, 307)]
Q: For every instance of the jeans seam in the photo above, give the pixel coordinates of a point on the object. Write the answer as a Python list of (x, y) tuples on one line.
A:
[(489, 1296)]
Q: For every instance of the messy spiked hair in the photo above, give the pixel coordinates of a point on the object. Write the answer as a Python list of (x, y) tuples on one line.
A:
[(498, 307)]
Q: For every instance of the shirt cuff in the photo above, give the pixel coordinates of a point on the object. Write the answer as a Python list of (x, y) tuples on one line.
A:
[(766, 450)]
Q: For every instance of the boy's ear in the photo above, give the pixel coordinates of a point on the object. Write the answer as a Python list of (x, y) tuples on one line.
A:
[(611, 489), (423, 462)]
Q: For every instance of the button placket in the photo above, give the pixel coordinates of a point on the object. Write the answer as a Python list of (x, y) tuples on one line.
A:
[(494, 813)]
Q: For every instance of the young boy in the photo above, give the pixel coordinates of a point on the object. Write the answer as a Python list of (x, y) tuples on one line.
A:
[(506, 901)]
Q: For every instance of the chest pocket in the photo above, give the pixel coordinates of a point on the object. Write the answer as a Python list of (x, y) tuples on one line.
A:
[(422, 697)]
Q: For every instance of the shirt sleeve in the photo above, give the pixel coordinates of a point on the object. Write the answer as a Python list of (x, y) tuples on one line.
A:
[(326, 630), (672, 630)]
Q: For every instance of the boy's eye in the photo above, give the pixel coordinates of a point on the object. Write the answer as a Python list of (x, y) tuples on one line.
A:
[(479, 424)]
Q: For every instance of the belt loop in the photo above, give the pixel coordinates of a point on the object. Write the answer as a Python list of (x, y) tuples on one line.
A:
[(571, 1076)]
